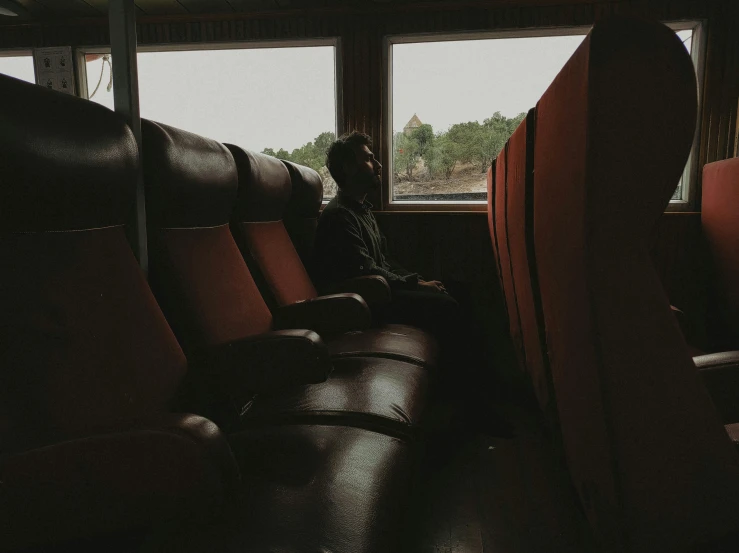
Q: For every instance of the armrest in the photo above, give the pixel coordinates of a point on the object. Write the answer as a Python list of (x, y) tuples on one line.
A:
[(327, 315), (267, 363), (374, 289), (720, 374), (147, 474)]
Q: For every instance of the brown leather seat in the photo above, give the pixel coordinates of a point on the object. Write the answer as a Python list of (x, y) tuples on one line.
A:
[(265, 191), (646, 450), (213, 304), (89, 369), (88, 366)]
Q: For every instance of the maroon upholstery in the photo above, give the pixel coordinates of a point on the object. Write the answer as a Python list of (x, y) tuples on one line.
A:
[(720, 222), (89, 367), (211, 298), (264, 198), (492, 180), (646, 451), (504, 253), (520, 225)]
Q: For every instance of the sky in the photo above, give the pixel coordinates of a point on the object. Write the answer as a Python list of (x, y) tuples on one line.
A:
[(285, 97)]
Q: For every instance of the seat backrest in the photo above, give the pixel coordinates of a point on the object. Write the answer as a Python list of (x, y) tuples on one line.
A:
[(264, 192), (651, 462), (500, 236), (302, 210), (519, 218), (196, 269), (85, 345), (720, 222), (491, 188)]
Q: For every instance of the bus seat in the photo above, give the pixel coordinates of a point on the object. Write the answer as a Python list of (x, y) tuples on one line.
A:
[(301, 221), (648, 455), (492, 180), (264, 192), (215, 308), (720, 223), (518, 218), (88, 368)]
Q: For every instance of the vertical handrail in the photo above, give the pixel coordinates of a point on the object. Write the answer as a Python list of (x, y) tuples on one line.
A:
[(122, 22)]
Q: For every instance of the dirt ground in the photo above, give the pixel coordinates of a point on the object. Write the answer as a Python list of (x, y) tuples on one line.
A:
[(465, 179)]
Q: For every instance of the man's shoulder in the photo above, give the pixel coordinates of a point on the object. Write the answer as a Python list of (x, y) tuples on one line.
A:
[(335, 210)]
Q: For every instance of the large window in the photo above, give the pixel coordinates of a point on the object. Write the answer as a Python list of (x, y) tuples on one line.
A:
[(276, 100), (453, 104), (18, 65)]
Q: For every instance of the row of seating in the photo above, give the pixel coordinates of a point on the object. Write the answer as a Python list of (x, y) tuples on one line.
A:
[(573, 199), (316, 410)]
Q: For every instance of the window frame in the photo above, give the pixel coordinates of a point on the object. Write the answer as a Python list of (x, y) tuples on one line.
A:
[(81, 52), (690, 174)]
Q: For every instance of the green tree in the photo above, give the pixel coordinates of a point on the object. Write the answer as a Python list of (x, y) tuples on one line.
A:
[(269, 152), (406, 154), (424, 136), (442, 156)]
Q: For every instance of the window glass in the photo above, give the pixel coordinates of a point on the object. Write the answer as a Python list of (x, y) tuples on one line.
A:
[(681, 191), (280, 101), (20, 67), (455, 103)]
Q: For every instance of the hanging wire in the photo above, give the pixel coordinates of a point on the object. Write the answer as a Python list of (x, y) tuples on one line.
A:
[(106, 58)]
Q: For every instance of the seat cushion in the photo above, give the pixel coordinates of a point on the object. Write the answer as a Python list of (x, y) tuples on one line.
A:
[(392, 341), (379, 394), (312, 488)]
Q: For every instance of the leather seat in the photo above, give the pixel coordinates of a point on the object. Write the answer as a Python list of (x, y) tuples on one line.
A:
[(212, 302), (313, 488), (645, 447), (89, 370), (265, 190), (88, 366)]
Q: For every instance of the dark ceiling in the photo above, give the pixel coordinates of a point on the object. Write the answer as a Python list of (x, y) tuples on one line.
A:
[(67, 9)]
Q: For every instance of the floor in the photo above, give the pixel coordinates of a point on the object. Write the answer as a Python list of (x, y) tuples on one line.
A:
[(481, 494)]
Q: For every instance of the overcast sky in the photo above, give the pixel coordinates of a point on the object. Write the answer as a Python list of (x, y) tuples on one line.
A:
[(285, 97)]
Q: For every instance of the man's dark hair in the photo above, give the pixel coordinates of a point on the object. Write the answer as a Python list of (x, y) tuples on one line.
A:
[(342, 151)]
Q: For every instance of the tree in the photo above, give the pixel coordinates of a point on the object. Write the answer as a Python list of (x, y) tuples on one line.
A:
[(269, 152), (442, 156), (424, 137), (407, 153)]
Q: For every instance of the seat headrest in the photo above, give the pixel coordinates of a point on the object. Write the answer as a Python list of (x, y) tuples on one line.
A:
[(307, 192), (191, 181), (264, 186), (65, 163)]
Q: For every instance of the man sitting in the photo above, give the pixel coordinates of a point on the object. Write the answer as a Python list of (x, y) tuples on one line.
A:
[(349, 244)]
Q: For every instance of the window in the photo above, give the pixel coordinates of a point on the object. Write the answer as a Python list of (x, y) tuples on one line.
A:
[(18, 65), (690, 35), (453, 104), (277, 100)]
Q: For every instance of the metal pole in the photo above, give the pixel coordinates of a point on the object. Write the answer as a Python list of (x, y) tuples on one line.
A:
[(122, 22)]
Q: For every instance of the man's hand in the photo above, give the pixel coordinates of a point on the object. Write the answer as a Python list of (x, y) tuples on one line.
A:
[(431, 286)]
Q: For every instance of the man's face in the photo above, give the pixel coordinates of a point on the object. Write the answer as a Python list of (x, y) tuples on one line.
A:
[(368, 171)]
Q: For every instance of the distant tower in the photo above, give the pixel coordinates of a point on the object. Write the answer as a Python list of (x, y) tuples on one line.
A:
[(412, 125)]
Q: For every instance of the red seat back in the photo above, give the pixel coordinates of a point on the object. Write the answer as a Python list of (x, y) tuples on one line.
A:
[(85, 345), (197, 271), (720, 221), (648, 455), (264, 193), (519, 217)]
